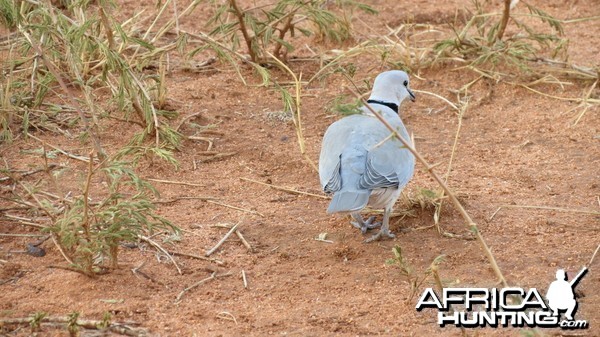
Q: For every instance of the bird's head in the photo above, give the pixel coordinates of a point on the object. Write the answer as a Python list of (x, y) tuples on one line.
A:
[(393, 87)]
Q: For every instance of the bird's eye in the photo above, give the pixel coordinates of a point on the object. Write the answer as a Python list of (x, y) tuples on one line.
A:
[(405, 83)]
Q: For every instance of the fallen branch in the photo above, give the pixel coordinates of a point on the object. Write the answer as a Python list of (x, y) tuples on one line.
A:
[(213, 249), (594, 255), (217, 156), (22, 235), (159, 247), (123, 328), (199, 257), (173, 182), (285, 189), (243, 239), (235, 207), (70, 155), (168, 201), (244, 279), (548, 208), (211, 277), (32, 172), (238, 233)]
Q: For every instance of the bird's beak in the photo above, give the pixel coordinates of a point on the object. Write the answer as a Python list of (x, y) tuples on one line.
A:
[(411, 94)]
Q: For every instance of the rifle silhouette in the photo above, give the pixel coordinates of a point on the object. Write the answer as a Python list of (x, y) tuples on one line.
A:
[(578, 277)]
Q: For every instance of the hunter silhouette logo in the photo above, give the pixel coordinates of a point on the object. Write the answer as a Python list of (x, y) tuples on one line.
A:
[(516, 307), (561, 293)]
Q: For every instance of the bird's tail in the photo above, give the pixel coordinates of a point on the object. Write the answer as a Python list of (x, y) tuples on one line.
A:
[(348, 201)]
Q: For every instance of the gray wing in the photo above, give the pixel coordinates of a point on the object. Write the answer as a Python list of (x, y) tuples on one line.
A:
[(337, 140), (385, 165), (388, 165)]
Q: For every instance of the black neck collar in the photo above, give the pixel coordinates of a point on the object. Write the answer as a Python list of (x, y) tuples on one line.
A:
[(392, 106)]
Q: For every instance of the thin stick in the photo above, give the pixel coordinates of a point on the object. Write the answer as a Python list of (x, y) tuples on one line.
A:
[(244, 242), (28, 173), (594, 255), (24, 221), (217, 156), (137, 271), (204, 139), (60, 249), (186, 118), (199, 257), (549, 208), (238, 233), (438, 96), (213, 249), (470, 223), (182, 198), (22, 235), (174, 182), (236, 208), (285, 189), (159, 247), (73, 156), (244, 279), (211, 277), (222, 315)]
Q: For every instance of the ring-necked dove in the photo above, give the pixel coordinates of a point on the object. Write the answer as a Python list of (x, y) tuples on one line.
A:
[(360, 164)]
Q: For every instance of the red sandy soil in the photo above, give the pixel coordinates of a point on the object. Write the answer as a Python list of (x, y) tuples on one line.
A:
[(515, 148)]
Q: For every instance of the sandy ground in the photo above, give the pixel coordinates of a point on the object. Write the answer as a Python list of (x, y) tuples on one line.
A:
[(515, 148)]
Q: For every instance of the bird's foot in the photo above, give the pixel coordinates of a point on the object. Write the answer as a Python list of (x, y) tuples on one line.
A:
[(366, 225), (384, 232)]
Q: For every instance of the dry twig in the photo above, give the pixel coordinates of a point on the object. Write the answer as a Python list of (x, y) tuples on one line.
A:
[(213, 249), (235, 207), (285, 189), (211, 277), (168, 201), (164, 251), (199, 257), (173, 182), (549, 208), (244, 279)]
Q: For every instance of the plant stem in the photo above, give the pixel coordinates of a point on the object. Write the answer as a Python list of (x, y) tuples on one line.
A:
[(87, 256), (504, 20), (282, 32), (240, 16)]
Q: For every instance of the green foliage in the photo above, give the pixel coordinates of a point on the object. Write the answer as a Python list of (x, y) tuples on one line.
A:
[(340, 105), (481, 44), (91, 232), (36, 321), (84, 47), (265, 28), (72, 326), (414, 281)]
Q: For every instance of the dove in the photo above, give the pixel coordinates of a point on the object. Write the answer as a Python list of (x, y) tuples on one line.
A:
[(360, 164)]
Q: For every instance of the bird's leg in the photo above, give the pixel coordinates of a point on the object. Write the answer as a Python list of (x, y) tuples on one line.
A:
[(364, 225), (385, 227)]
